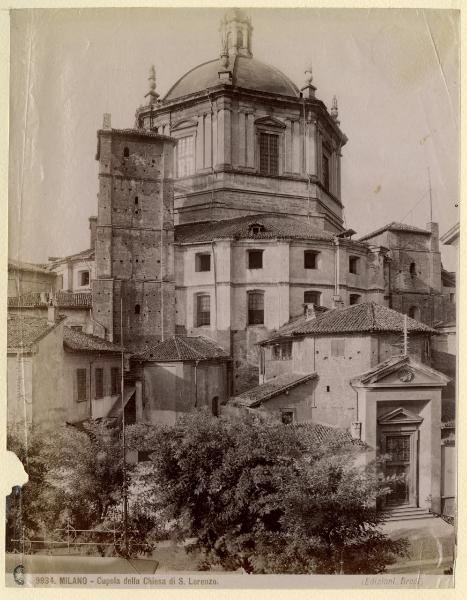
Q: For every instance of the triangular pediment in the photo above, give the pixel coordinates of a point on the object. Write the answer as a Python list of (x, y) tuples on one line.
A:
[(270, 122), (399, 416), (401, 371)]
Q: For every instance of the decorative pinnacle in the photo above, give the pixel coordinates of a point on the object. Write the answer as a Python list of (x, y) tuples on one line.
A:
[(153, 95), (309, 78), (225, 53), (334, 109)]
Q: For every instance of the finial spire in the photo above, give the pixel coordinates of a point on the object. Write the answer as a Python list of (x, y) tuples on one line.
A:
[(153, 95), (309, 88), (309, 75), (224, 53), (335, 110)]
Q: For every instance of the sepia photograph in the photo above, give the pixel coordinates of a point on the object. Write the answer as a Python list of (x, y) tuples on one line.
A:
[(233, 246)]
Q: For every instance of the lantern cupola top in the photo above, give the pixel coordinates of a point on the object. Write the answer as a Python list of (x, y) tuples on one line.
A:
[(236, 31)]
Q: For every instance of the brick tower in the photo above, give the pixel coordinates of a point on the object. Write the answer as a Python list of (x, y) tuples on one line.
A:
[(134, 235)]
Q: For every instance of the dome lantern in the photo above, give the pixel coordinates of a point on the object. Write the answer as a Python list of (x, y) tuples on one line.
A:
[(236, 33)]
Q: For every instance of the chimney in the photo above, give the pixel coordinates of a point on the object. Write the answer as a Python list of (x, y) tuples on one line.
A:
[(337, 302), (92, 228), (51, 312), (434, 240), (309, 311)]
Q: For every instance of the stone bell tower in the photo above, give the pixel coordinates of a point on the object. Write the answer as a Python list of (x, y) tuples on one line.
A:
[(134, 235)]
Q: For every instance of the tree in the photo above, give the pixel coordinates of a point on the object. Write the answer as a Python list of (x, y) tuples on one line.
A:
[(265, 497), (75, 478)]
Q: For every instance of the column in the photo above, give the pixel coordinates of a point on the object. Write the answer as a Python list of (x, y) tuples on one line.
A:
[(214, 139), (220, 137), (296, 138), (310, 149), (288, 146), (241, 140), (207, 141), (224, 149), (250, 141), (199, 155)]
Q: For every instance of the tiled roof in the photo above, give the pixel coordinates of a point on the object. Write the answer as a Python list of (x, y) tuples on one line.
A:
[(23, 331), (395, 227), (319, 433), (62, 300), (272, 227), (89, 253), (16, 265), (367, 317), (269, 389), (181, 348), (132, 133), (139, 133), (77, 341)]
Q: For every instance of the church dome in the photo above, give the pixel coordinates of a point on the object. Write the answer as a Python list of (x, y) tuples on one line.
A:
[(247, 73)]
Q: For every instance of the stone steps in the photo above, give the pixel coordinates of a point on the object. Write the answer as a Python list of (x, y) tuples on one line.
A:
[(408, 513)]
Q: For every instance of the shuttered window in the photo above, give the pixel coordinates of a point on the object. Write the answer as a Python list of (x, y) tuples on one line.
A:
[(81, 384), (255, 308), (338, 347), (203, 310), (269, 154), (114, 381), (99, 379)]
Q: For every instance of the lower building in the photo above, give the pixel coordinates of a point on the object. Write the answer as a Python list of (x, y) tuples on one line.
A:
[(179, 375), (364, 368), (57, 375)]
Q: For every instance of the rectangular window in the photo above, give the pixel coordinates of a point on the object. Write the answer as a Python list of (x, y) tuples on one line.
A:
[(115, 383), (269, 154), (338, 347), (353, 264), (255, 308), (84, 278), (76, 327), (326, 179), (312, 297), (203, 310), (310, 259), (255, 259), (185, 156), (287, 416), (81, 384), (282, 351), (99, 379), (203, 262), (354, 299)]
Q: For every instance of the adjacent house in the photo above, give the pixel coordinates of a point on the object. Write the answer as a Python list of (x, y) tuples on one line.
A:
[(56, 374), (181, 374), (355, 369)]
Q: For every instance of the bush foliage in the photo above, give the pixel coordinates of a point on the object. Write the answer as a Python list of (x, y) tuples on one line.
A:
[(245, 494)]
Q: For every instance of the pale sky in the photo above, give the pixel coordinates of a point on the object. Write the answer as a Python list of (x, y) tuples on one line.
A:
[(395, 73)]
